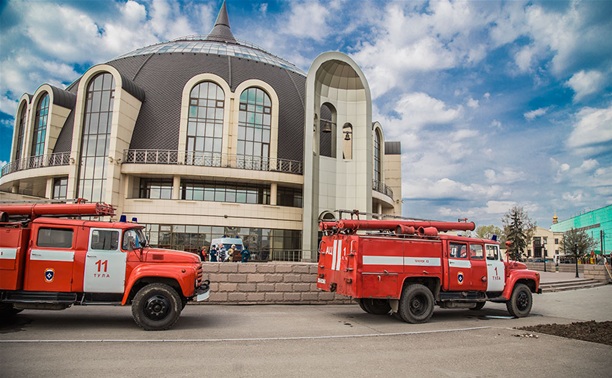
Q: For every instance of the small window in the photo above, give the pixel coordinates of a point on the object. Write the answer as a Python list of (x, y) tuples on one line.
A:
[(492, 252), (458, 251), (105, 240), (476, 252), (55, 237)]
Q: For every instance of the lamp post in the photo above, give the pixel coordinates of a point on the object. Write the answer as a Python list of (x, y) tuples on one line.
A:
[(544, 254), (576, 255)]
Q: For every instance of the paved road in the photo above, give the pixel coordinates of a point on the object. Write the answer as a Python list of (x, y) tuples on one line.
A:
[(307, 341)]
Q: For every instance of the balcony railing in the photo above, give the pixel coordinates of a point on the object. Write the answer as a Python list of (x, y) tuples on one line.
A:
[(208, 159), (382, 188), (52, 160)]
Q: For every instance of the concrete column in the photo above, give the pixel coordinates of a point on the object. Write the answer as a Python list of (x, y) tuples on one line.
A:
[(273, 193), (176, 188)]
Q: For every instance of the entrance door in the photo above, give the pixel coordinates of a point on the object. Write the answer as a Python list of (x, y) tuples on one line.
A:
[(495, 269), (50, 260), (105, 263), (459, 267)]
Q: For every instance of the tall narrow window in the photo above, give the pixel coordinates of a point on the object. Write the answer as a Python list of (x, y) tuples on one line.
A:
[(96, 135), (20, 131), (205, 125), (377, 161), (40, 126), (327, 131), (254, 124)]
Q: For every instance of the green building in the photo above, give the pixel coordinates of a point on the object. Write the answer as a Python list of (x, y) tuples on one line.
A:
[(596, 223)]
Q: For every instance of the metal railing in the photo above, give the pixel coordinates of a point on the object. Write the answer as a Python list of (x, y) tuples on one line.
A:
[(209, 159), (30, 162), (380, 187)]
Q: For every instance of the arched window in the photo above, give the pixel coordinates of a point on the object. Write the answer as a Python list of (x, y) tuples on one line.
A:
[(254, 124), (40, 126), (20, 132), (377, 158), (327, 131), (95, 137), (205, 125)]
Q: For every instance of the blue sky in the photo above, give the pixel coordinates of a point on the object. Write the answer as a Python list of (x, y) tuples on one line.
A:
[(496, 103)]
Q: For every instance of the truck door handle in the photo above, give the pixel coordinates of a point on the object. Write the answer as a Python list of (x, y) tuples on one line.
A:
[(36, 254), (92, 256)]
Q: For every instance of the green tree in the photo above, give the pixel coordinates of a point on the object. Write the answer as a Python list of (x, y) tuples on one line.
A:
[(577, 243), (487, 232), (518, 229)]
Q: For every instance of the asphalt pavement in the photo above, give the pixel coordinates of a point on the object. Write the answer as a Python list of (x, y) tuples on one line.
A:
[(308, 341)]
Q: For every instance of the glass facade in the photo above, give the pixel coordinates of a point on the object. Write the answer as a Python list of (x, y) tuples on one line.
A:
[(254, 123), (225, 192), (95, 137), (205, 125), (597, 224), (40, 126), (155, 188), (377, 160), (20, 131), (291, 197), (263, 243)]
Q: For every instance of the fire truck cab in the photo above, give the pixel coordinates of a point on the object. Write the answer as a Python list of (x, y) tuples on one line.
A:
[(50, 262), (407, 267)]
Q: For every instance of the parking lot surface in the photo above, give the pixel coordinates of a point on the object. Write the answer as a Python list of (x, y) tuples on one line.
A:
[(308, 341)]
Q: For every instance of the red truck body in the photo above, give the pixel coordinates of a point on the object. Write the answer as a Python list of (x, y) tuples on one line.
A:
[(407, 267), (52, 263)]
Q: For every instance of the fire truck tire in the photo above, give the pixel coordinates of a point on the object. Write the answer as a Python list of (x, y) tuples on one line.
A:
[(375, 306), (520, 302), (156, 307), (478, 306), (416, 304)]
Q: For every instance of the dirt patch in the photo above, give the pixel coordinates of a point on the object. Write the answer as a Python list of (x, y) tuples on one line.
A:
[(595, 332)]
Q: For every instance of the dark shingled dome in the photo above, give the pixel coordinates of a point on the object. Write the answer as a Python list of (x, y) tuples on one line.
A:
[(161, 71)]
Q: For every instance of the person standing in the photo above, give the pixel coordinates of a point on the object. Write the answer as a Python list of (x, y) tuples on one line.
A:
[(246, 255), (203, 253), (213, 253)]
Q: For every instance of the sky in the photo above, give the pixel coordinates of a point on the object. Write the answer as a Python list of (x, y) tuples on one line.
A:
[(496, 104)]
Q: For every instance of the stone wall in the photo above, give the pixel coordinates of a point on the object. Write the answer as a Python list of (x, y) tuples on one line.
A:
[(597, 272), (550, 267), (266, 283)]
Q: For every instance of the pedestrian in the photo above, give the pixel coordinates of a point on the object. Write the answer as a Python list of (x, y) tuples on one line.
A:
[(213, 253), (246, 255), (230, 253), (222, 253), (203, 253)]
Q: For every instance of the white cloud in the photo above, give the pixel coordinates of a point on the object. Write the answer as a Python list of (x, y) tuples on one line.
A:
[(585, 83), (505, 176), (307, 20), (535, 113), (592, 132), (419, 109), (472, 103)]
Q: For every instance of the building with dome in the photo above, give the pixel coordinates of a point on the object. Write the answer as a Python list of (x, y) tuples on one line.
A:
[(207, 136)]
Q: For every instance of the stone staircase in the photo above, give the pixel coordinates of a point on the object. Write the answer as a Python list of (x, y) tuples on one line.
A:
[(582, 283)]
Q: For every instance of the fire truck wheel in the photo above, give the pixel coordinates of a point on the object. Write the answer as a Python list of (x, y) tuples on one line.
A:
[(520, 302), (375, 306), (416, 304), (156, 307), (478, 306)]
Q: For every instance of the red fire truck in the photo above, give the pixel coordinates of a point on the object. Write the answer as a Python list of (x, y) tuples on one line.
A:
[(50, 262), (407, 267)]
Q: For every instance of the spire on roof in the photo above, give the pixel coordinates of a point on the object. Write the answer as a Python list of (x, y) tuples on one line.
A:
[(221, 32)]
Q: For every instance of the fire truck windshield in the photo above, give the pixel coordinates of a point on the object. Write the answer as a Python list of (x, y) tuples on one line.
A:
[(136, 236)]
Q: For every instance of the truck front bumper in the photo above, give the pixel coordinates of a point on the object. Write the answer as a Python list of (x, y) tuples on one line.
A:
[(203, 292)]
